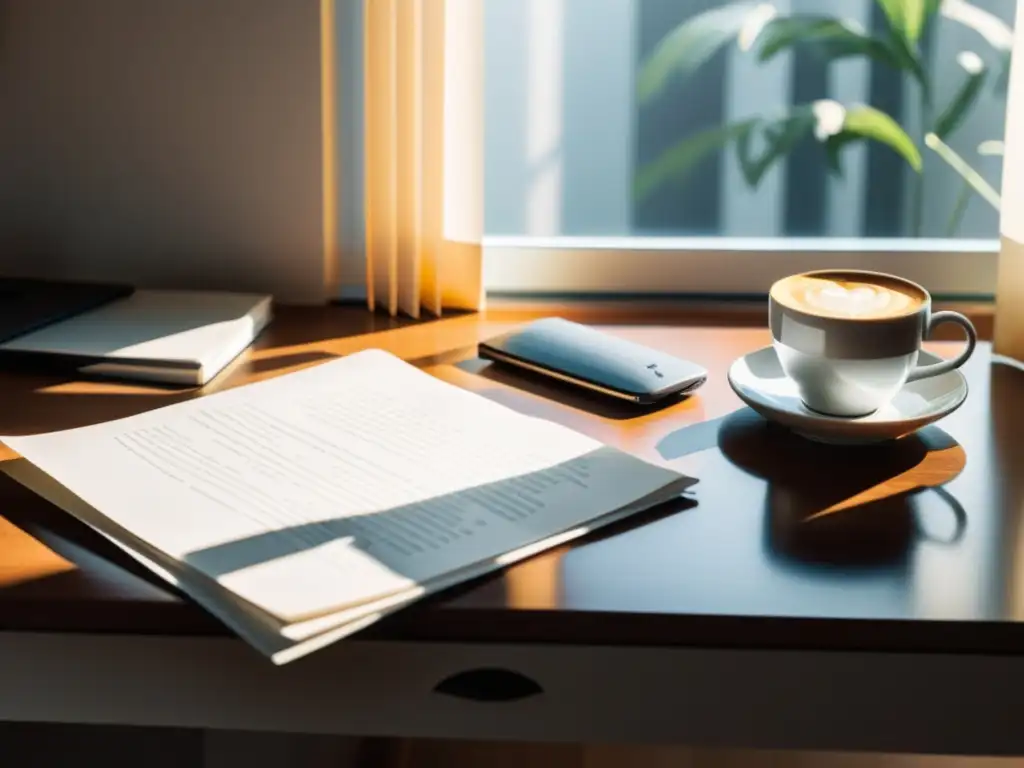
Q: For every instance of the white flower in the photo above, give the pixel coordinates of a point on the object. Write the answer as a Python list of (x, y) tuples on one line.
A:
[(971, 62), (993, 147), (829, 116)]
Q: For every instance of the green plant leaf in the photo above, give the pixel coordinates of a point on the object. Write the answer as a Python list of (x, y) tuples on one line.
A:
[(956, 111), (684, 50), (830, 123), (761, 143), (876, 125), (893, 12), (834, 38), (677, 161), (956, 217), (778, 138), (909, 18), (1003, 79), (834, 147), (910, 60), (862, 123), (967, 173)]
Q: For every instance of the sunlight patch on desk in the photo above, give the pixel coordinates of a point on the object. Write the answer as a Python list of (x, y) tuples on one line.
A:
[(540, 546), (34, 572), (106, 389), (409, 342), (936, 468)]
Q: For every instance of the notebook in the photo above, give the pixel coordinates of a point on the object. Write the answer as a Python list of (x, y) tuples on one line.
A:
[(172, 337), (301, 509)]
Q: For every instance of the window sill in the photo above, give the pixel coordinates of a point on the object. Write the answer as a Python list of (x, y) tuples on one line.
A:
[(592, 268), (690, 312)]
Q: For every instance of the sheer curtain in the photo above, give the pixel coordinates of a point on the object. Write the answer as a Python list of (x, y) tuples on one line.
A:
[(423, 144), (1009, 323)]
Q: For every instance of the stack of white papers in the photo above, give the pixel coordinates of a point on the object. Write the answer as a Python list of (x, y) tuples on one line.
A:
[(304, 508)]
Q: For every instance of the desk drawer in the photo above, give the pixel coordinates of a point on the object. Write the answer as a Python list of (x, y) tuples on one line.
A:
[(773, 699)]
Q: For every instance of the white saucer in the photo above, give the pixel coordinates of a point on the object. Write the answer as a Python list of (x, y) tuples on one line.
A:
[(759, 381)]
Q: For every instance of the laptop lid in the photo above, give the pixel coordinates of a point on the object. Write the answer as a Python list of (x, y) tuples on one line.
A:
[(28, 304)]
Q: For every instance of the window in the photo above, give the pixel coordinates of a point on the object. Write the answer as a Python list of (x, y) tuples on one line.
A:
[(652, 145)]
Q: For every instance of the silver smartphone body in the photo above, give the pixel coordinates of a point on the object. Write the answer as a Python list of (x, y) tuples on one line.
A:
[(585, 357)]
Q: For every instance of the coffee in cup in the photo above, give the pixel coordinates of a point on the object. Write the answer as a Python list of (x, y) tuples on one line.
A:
[(849, 339)]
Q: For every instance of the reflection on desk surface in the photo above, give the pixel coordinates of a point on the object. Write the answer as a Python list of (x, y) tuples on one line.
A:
[(838, 531)]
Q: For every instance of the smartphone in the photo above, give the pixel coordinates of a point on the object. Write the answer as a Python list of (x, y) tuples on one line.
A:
[(585, 357)]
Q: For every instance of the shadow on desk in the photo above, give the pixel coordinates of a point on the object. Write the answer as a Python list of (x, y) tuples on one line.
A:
[(45, 400), (569, 395), (844, 506)]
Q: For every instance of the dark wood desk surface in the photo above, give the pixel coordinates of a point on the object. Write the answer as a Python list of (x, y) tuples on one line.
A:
[(917, 545)]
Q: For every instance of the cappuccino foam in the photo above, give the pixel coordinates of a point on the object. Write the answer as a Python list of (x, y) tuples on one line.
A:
[(848, 295)]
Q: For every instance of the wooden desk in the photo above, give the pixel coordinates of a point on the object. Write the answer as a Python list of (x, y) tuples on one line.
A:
[(807, 596)]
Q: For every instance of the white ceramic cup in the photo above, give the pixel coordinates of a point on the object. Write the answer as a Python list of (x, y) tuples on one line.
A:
[(852, 366)]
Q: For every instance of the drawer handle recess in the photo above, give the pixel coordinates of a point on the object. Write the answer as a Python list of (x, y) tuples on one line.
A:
[(488, 685)]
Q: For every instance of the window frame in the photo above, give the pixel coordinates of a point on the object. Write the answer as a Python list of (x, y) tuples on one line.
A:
[(724, 267)]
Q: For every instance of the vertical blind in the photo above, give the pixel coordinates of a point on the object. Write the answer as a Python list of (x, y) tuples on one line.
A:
[(423, 132)]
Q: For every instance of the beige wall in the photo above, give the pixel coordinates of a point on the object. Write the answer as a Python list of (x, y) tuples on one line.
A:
[(164, 143)]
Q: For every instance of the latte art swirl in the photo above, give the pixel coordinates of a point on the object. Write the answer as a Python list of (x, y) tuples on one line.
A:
[(848, 295), (856, 301)]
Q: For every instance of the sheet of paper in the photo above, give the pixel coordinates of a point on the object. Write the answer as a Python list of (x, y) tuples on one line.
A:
[(283, 643), (341, 485)]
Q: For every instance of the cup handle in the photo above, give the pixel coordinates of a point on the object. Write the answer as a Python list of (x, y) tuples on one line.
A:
[(934, 369)]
